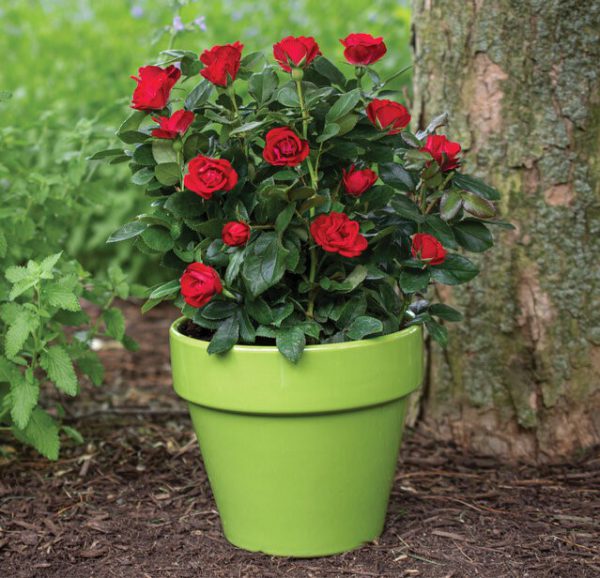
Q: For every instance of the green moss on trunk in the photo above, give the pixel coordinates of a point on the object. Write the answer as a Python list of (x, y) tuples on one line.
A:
[(521, 82)]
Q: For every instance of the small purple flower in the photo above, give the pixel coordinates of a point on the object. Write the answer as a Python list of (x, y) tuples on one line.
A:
[(137, 11), (178, 25), (200, 22)]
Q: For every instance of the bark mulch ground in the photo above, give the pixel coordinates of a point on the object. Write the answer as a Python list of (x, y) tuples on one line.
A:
[(134, 500)]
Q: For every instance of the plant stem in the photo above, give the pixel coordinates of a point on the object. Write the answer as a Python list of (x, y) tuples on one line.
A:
[(314, 182)]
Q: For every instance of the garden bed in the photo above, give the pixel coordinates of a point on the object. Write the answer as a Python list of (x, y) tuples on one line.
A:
[(135, 501)]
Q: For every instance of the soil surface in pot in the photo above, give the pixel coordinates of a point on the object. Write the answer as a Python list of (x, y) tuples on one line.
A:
[(134, 501)]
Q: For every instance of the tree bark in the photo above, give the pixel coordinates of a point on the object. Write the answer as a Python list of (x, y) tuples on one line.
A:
[(521, 82)]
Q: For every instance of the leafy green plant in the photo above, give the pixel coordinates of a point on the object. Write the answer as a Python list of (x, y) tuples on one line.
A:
[(39, 303), (306, 212)]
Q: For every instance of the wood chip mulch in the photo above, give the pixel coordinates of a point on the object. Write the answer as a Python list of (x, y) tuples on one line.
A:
[(134, 500)]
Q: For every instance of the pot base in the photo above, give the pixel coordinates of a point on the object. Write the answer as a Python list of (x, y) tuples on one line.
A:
[(303, 485)]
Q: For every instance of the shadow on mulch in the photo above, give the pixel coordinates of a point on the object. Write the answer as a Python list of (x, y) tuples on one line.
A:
[(134, 501)]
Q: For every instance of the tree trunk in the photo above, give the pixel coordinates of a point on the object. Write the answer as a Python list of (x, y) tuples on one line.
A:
[(521, 82)]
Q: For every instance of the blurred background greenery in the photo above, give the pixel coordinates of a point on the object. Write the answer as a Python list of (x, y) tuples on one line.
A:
[(65, 87)]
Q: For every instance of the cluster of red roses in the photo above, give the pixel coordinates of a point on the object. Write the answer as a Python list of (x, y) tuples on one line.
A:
[(333, 232)]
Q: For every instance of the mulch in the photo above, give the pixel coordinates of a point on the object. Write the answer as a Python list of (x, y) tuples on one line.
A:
[(134, 500)]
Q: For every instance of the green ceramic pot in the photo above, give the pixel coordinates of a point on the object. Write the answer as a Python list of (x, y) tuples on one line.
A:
[(300, 458)]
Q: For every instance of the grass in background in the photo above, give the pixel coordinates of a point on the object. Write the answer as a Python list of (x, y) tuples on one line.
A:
[(67, 65)]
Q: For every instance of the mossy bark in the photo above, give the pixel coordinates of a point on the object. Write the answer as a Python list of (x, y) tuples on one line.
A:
[(521, 83)]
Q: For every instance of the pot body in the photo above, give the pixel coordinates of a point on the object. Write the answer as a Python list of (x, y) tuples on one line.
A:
[(300, 458)]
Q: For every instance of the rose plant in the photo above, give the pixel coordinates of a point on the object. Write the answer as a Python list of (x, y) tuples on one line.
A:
[(293, 203)]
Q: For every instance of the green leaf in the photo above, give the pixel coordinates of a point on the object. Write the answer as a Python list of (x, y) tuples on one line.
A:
[(363, 326), (327, 69), (291, 342), (440, 230), (89, 363), (115, 323), (438, 332), (284, 218), (262, 86), (233, 267), (73, 434), (288, 96), (259, 310), (445, 312), (264, 264), (143, 176), (58, 366), (473, 235), (165, 289), (168, 174), (127, 231), (413, 280), (247, 127), (163, 152), (18, 332), (343, 105), (199, 95), (225, 337), (158, 239), (395, 175), (475, 185), (351, 282), (17, 274), (47, 265), (406, 208), (450, 205), (41, 432), (60, 294), (24, 394), (216, 310), (143, 155), (478, 206), (129, 128), (330, 130), (185, 204), (104, 154), (455, 270)]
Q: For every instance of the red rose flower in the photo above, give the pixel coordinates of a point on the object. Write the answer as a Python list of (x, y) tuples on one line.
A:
[(297, 52), (154, 87), (363, 49), (357, 182), (221, 63), (174, 125), (387, 114), (284, 148), (235, 233), (443, 151), (207, 176), (336, 233), (199, 284), (428, 248)]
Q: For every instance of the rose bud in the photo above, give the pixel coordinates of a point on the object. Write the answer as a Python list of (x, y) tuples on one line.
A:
[(363, 49), (443, 151), (295, 52), (427, 248), (207, 176), (336, 233), (388, 115), (221, 63), (235, 233), (173, 126), (284, 148), (154, 86), (199, 284), (357, 182)]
